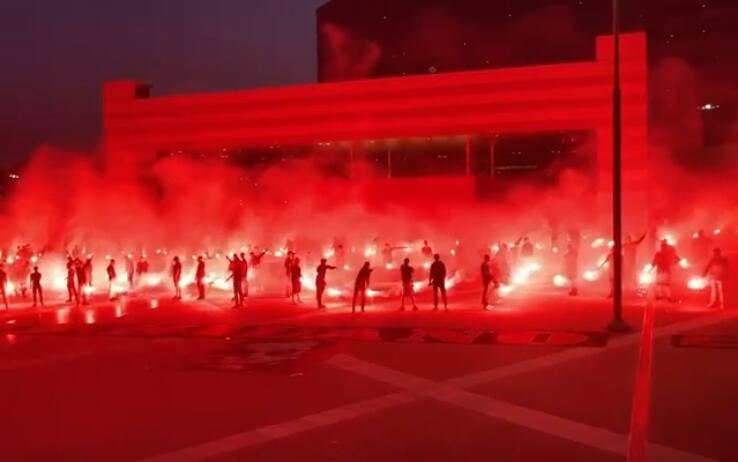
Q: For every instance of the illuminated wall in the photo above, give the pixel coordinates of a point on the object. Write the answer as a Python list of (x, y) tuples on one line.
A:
[(569, 96)]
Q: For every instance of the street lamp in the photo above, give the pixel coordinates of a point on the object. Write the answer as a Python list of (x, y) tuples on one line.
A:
[(617, 324)]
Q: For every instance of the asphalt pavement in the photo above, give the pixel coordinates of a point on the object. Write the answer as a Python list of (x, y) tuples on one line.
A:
[(536, 378)]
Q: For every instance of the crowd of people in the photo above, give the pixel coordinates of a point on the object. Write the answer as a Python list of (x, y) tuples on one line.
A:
[(495, 272)]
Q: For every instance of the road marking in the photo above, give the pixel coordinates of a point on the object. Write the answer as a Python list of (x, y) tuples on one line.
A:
[(598, 437), (640, 410), (577, 432), (269, 433)]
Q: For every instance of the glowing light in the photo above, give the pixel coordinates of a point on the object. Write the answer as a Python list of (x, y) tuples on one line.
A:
[(62, 316), (370, 251), (611, 244), (684, 263), (506, 289), (427, 265), (523, 273), (10, 260), (88, 290), (591, 275), (11, 339), (346, 268), (389, 266), (560, 280), (555, 249), (329, 253), (709, 107), (118, 286), (10, 286), (34, 259), (59, 280), (647, 277), (90, 317), (119, 310), (716, 231), (372, 293), (599, 242), (331, 292), (697, 283), (670, 239), (695, 235), (154, 303), (495, 248), (453, 252)]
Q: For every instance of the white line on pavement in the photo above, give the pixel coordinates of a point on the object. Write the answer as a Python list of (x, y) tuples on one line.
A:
[(268, 433), (578, 432), (609, 439)]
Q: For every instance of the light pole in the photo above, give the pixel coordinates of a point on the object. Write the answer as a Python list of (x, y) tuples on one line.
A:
[(617, 324)]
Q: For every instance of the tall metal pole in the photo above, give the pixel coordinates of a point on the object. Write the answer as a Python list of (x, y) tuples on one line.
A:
[(617, 324), (492, 141), (467, 154), (389, 162)]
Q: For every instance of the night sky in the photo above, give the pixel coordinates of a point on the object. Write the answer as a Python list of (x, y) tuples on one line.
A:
[(56, 54)]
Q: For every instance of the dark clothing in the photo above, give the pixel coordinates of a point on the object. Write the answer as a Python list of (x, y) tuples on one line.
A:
[(71, 287), (36, 286), (35, 279), (487, 279), (177, 272), (360, 287), (296, 275), (406, 273), (111, 272), (81, 276), (200, 272), (437, 273), (3, 283), (321, 270), (438, 281), (236, 268), (362, 279), (320, 283), (245, 266), (200, 280), (81, 281), (486, 272), (440, 287)]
